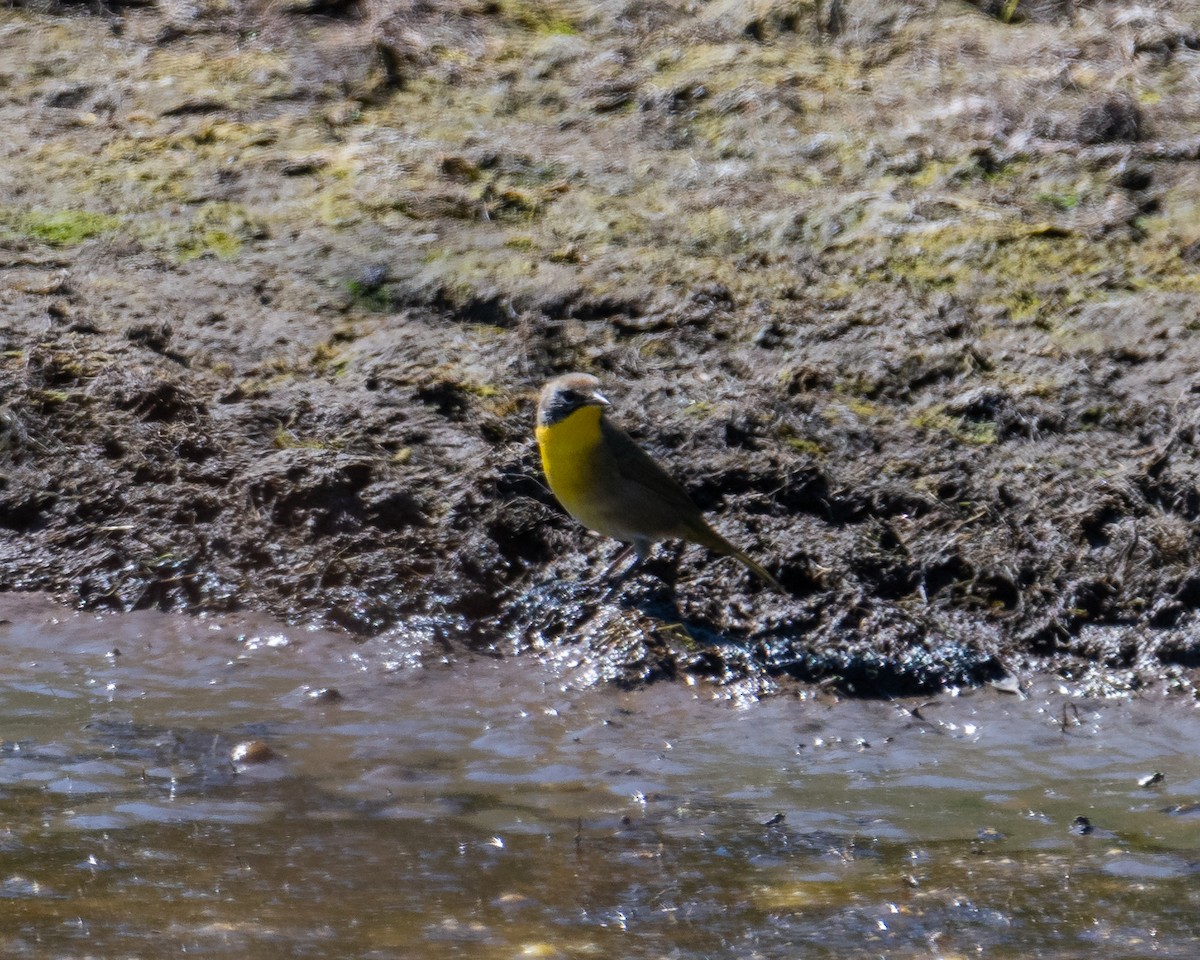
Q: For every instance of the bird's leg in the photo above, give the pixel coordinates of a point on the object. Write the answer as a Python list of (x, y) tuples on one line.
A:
[(619, 559), (639, 546)]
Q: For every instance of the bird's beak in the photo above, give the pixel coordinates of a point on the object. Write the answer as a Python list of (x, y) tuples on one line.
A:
[(601, 399)]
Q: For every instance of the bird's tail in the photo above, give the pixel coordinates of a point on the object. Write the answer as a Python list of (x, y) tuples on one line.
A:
[(709, 537)]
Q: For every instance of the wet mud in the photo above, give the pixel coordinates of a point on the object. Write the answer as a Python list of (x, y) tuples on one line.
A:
[(903, 293)]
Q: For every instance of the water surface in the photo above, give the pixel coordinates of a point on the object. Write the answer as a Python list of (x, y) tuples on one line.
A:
[(496, 808)]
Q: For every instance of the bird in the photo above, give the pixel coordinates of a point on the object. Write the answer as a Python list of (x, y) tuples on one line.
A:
[(608, 483)]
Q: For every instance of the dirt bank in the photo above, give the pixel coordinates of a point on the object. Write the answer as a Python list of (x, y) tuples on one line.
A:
[(905, 293)]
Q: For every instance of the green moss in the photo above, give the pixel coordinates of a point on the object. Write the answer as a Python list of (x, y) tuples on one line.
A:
[(713, 231), (974, 432), (48, 399), (482, 390), (852, 402), (1030, 270), (220, 243), (855, 386), (1024, 306), (61, 228), (373, 297), (1097, 413), (933, 173), (540, 16), (801, 445), (520, 242), (219, 230), (245, 77), (1060, 201), (864, 409), (977, 432), (328, 359), (509, 203), (285, 439)]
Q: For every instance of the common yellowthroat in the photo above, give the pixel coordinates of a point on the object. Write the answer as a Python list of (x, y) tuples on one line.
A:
[(610, 484)]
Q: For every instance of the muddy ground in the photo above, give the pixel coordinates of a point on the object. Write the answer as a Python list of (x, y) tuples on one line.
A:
[(905, 293)]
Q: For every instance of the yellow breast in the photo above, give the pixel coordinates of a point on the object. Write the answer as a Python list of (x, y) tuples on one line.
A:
[(568, 451)]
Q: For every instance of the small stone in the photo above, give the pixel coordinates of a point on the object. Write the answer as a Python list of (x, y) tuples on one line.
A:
[(300, 166), (252, 752), (38, 282), (1007, 684)]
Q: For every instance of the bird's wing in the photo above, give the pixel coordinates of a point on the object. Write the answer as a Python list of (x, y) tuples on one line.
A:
[(636, 466), (661, 498)]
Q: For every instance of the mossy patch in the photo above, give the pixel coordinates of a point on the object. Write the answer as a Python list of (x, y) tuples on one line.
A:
[(216, 229), (974, 432), (1031, 271), (374, 297), (285, 439), (541, 16), (58, 228), (1059, 201), (804, 446), (246, 77)]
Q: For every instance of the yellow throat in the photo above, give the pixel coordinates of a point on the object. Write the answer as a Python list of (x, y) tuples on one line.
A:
[(568, 450)]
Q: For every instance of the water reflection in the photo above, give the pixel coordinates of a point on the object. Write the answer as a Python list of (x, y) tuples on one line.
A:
[(487, 809)]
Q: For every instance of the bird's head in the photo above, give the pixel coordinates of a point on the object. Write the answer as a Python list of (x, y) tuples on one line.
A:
[(563, 395)]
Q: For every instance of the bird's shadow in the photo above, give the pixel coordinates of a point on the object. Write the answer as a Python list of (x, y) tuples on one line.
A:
[(649, 590), (652, 592)]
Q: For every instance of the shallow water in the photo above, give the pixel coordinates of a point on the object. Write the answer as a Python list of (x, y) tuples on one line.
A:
[(487, 808)]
